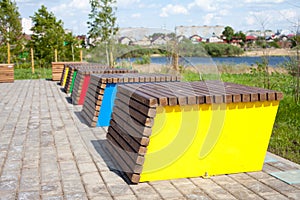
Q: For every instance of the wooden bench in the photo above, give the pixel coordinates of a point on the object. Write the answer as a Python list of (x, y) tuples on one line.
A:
[(101, 92), (7, 73), (83, 79), (163, 131), (57, 69)]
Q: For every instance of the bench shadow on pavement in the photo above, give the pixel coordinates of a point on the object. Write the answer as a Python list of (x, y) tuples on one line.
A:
[(100, 147), (81, 119)]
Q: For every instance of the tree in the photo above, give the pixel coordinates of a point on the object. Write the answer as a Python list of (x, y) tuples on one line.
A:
[(103, 24), (240, 35), (10, 31), (228, 33), (48, 35)]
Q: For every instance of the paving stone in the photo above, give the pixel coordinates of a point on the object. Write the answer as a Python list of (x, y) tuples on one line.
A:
[(7, 195), (29, 181), (119, 189), (52, 197), (96, 190), (125, 197), (11, 185), (237, 190), (8, 175), (278, 185), (259, 175), (28, 195), (51, 189), (87, 168), (144, 191), (276, 197), (259, 188), (211, 189), (102, 197), (73, 187), (76, 196), (166, 189), (112, 177)]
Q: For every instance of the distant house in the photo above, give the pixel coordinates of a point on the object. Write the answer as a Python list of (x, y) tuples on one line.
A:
[(236, 41), (214, 39), (196, 38), (160, 40), (145, 41), (180, 38), (125, 40), (251, 38)]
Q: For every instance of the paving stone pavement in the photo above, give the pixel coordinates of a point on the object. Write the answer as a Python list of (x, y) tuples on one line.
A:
[(47, 152)]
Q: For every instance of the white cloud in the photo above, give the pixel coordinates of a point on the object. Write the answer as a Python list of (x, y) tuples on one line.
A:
[(265, 1), (136, 15), (250, 20), (126, 3), (72, 5), (207, 19), (173, 10), (205, 5), (289, 14)]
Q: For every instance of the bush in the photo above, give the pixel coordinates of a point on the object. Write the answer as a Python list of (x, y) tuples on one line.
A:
[(145, 59)]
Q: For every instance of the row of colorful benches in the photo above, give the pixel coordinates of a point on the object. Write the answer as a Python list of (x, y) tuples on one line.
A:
[(160, 128)]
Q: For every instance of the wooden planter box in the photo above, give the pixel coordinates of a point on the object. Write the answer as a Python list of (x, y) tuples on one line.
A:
[(180, 130), (82, 81), (7, 73), (98, 104)]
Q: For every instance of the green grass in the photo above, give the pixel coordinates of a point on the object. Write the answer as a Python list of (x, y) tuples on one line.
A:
[(26, 73), (285, 139)]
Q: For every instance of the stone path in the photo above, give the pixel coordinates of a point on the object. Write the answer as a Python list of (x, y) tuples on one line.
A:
[(47, 152)]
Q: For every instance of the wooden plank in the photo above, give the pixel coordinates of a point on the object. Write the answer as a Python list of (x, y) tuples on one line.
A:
[(139, 130), (143, 98), (127, 142), (143, 119), (128, 134), (134, 178), (151, 112), (127, 164)]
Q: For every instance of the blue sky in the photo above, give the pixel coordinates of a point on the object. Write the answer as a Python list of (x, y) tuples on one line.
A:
[(240, 14)]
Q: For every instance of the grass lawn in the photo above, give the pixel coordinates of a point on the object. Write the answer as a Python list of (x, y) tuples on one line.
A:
[(39, 73)]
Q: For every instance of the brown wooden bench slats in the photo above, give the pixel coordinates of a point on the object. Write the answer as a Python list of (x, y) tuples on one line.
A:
[(98, 84)]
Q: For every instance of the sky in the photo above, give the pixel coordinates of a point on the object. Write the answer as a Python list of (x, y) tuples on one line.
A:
[(241, 15)]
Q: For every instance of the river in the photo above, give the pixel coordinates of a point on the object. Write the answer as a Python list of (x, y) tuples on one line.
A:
[(274, 61)]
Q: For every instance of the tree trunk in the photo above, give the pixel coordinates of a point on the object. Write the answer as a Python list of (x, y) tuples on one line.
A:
[(175, 60)]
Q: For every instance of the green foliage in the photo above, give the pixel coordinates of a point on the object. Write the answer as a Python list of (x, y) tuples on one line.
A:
[(103, 25), (10, 30), (274, 44), (145, 59), (48, 35), (218, 50), (103, 20), (228, 33)]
